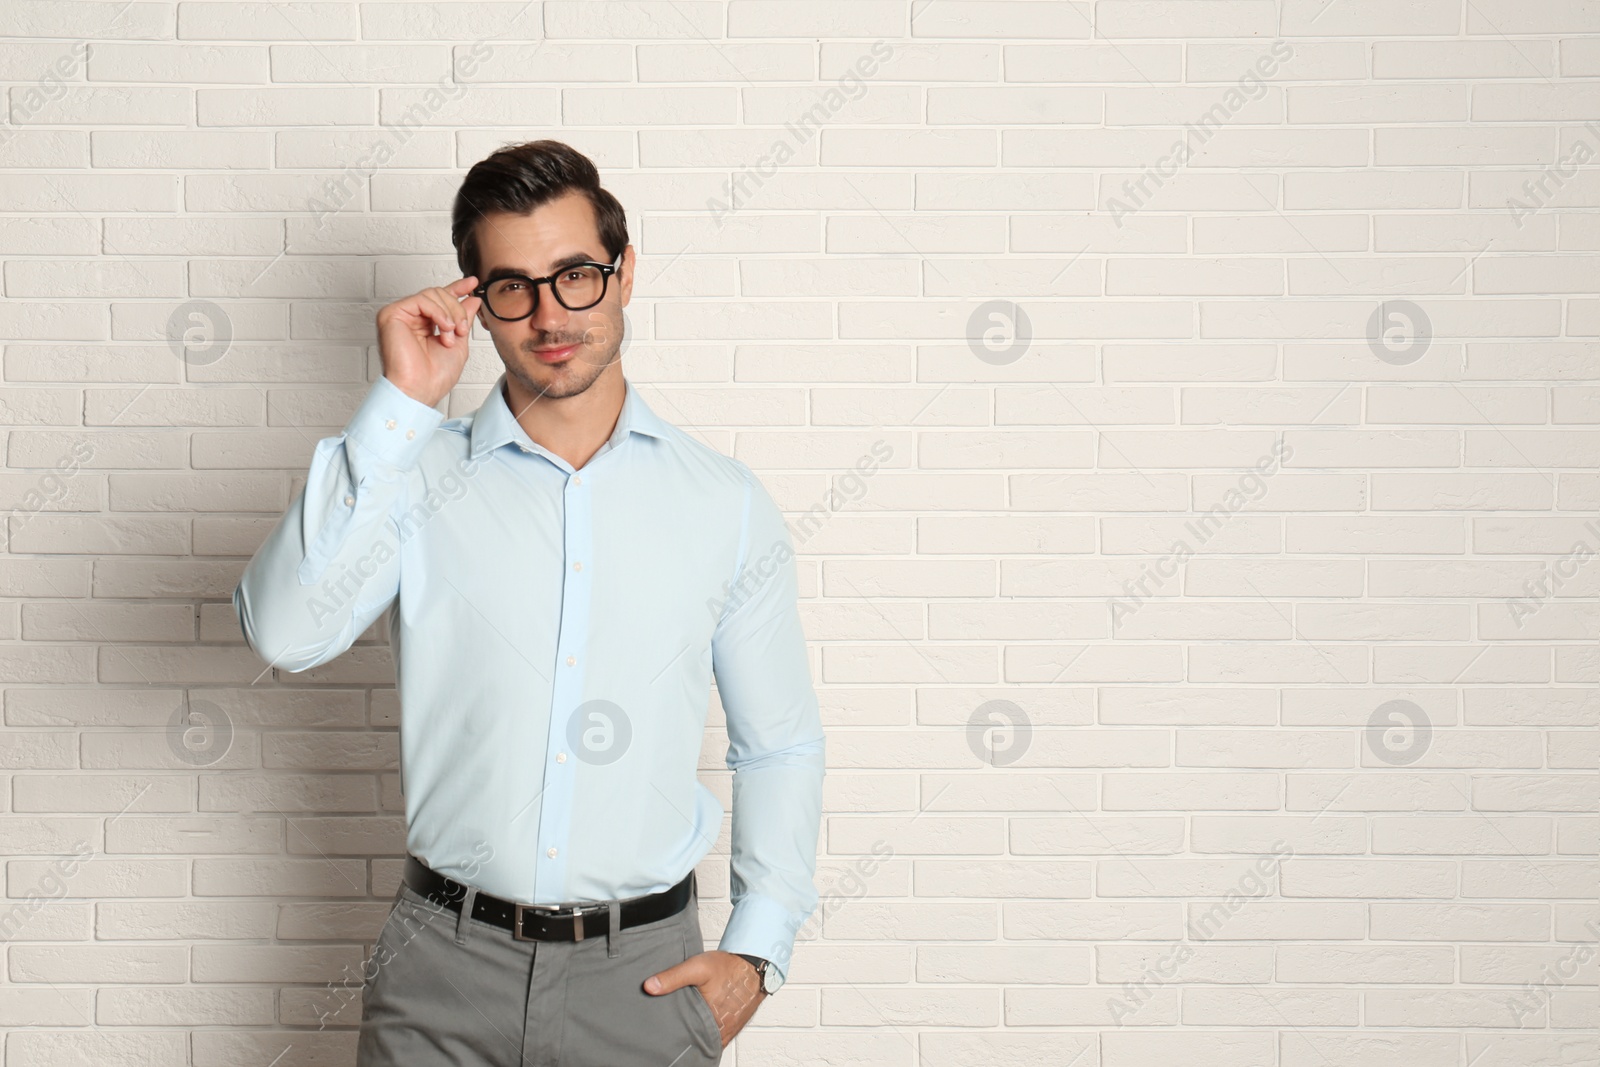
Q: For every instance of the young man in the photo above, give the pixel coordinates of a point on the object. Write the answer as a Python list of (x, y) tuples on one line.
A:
[(567, 571)]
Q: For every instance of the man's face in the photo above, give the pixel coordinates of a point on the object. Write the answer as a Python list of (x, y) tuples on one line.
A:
[(554, 352)]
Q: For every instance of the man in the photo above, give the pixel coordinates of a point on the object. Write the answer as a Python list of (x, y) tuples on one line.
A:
[(567, 571)]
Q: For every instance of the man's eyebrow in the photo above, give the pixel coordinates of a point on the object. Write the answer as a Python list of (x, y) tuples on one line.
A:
[(565, 261)]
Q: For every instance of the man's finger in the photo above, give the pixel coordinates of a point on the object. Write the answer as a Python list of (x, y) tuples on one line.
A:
[(444, 311), (674, 977)]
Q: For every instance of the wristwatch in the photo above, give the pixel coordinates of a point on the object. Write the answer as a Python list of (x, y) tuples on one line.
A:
[(770, 978)]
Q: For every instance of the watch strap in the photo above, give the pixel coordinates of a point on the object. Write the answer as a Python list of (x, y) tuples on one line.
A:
[(762, 967)]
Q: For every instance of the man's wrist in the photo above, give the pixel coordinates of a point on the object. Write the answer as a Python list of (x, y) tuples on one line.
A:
[(763, 968)]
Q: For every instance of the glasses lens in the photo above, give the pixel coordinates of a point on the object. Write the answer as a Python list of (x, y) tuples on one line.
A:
[(576, 288), (510, 298)]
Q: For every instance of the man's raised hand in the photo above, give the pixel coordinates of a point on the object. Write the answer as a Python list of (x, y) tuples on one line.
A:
[(424, 365)]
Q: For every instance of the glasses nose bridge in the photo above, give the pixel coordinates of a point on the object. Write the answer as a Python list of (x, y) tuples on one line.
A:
[(537, 293)]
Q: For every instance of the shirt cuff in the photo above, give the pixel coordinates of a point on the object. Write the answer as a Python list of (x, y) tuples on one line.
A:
[(388, 431), (761, 927)]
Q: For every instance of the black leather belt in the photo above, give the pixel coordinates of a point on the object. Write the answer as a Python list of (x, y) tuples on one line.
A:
[(546, 922)]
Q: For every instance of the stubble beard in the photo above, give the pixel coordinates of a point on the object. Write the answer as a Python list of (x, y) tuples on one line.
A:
[(558, 381)]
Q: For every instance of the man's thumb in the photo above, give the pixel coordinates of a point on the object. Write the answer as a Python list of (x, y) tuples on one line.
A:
[(666, 981)]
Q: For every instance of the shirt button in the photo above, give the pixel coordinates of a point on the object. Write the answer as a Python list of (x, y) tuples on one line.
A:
[(577, 479), (349, 501), (411, 435), (571, 660), (551, 853), (578, 566), (561, 757), (389, 425)]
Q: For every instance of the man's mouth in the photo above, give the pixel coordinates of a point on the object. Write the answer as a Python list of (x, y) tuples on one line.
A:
[(556, 355)]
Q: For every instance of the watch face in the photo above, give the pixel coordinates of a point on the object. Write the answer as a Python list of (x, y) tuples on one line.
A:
[(770, 980)]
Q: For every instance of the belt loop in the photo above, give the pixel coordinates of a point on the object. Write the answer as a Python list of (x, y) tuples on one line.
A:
[(613, 950), (466, 913)]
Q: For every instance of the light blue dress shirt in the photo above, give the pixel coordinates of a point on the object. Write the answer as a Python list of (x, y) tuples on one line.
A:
[(555, 634)]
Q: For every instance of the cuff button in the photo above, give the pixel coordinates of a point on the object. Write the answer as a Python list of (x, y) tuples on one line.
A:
[(389, 425)]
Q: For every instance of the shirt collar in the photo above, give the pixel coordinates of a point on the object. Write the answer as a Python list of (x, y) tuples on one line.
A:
[(493, 424)]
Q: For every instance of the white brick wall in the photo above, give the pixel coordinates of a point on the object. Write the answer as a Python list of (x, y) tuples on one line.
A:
[(1193, 840)]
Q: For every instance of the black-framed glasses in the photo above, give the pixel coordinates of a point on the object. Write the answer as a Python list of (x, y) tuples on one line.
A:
[(579, 286)]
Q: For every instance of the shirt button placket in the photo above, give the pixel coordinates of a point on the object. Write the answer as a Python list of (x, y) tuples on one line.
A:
[(560, 773)]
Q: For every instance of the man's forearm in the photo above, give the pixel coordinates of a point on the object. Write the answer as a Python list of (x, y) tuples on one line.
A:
[(777, 819), (332, 563)]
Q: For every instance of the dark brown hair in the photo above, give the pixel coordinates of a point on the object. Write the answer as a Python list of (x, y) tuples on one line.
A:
[(521, 177)]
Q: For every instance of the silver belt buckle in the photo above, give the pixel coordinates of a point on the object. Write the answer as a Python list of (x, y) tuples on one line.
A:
[(555, 911)]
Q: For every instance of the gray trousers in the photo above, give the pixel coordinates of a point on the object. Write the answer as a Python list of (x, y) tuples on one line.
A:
[(443, 989)]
